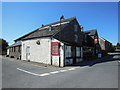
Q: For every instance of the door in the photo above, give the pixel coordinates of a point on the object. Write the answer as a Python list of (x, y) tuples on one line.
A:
[(28, 53)]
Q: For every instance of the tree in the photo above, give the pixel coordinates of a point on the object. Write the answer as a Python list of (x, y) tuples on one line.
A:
[(3, 46), (118, 44)]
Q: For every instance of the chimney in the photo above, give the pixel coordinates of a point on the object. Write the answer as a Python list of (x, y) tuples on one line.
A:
[(81, 27), (42, 25), (62, 17)]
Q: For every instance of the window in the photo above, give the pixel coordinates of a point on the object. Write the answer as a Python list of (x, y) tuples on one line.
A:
[(19, 49), (75, 27), (76, 37), (68, 51), (85, 38), (77, 51), (12, 49)]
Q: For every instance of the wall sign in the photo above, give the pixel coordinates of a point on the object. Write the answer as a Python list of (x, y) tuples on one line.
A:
[(95, 41), (55, 48)]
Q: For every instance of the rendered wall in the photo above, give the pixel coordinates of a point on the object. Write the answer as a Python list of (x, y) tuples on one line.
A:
[(55, 58), (38, 53)]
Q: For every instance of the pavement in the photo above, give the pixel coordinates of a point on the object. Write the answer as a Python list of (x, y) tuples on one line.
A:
[(101, 73)]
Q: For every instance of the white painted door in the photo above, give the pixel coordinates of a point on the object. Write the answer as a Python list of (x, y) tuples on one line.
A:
[(28, 53)]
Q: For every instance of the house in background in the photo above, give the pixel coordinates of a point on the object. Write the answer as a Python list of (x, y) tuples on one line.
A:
[(14, 51), (88, 46), (105, 45), (58, 43), (94, 35)]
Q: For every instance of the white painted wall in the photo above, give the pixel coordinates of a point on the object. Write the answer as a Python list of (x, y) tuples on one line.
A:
[(8, 51), (55, 59), (38, 53)]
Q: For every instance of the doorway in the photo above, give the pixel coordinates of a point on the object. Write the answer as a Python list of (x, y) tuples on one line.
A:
[(28, 53)]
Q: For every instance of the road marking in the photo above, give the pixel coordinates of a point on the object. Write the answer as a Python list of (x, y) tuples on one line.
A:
[(46, 74), (72, 69), (63, 70), (28, 72), (54, 72)]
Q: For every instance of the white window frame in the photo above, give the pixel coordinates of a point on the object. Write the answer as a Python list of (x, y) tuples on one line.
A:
[(78, 52), (68, 51)]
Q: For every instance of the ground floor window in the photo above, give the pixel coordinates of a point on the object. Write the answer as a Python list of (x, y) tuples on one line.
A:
[(78, 51), (68, 51), (19, 49)]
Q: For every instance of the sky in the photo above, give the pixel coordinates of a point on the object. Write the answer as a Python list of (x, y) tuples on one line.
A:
[(20, 18)]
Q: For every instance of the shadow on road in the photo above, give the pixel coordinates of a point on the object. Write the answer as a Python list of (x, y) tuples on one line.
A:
[(109, 58)]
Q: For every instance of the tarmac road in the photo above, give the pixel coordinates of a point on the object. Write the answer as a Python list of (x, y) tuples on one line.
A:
[(101, 74)]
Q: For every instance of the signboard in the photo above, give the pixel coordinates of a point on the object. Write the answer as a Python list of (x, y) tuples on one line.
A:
[(55, 48), (95, 41)]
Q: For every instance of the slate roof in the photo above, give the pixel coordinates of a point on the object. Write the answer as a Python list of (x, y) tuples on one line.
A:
[(91, 32), (16, 44), (64, 20), (44, 32)]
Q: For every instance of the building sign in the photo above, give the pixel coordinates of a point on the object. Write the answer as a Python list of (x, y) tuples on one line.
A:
[(55, 48), (95, 41)]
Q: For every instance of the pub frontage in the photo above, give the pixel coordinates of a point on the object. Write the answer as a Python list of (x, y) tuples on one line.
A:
[(60, 43)]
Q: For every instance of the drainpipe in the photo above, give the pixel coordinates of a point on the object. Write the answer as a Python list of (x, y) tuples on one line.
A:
[(51, 48), (82, 47), (59, 54), (81, 53)]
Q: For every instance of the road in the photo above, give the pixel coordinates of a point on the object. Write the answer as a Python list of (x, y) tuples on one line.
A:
[(92, 74)]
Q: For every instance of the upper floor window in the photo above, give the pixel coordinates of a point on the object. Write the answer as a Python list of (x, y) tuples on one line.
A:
[(85, 38), (75, 27)]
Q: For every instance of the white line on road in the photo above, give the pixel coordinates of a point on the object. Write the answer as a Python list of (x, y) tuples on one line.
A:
[(54, 72), (46, 74), (63, 70), (72, 69), (28, 72)]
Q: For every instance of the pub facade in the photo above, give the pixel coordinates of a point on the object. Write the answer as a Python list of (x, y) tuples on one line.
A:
[(58, 43)]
